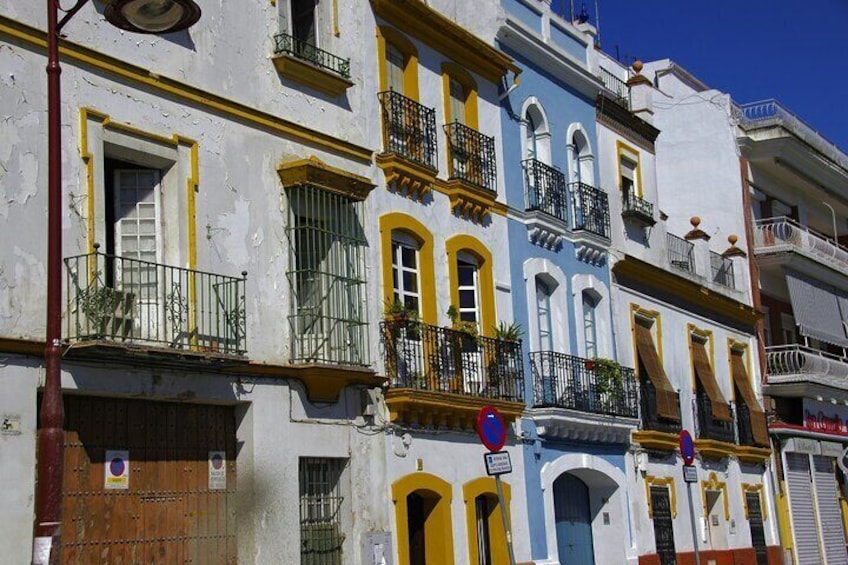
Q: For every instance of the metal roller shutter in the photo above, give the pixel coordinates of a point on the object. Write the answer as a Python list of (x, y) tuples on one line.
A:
[(801, 509), (830, 515)]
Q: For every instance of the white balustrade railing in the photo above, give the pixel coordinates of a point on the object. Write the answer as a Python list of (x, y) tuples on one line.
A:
[(798, 363), (785, 234)]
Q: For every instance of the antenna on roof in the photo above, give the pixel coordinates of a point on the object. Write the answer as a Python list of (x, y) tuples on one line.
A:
[(597, 24)]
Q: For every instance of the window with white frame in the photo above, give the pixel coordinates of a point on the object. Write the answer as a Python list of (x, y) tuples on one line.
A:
[(543, 315), (590, 332), (628, 176), (327, 277), (321, 502), (405, 273), (468, 277), (484, 506), (395, 66)]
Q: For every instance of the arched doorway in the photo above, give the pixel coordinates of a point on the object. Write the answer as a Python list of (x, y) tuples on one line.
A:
[(573, 521), (422, 510)]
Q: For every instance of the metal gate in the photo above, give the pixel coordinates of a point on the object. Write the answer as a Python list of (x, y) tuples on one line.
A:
[(755, 522), (663, 526), (801, 509), (828, 510), (167, 494)]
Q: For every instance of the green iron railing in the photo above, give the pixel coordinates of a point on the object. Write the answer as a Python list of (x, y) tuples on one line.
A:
[(289, 45), (118, 299)]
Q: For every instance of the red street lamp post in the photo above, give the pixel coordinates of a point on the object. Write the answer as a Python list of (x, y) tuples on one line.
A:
[(142, 16)]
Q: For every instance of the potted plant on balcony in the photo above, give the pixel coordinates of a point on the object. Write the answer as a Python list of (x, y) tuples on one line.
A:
[(609, 381), (511, 332), (402, 317), (502, 364), (468, 328)]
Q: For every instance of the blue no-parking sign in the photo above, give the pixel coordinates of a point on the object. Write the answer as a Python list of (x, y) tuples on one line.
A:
[(491, 428)]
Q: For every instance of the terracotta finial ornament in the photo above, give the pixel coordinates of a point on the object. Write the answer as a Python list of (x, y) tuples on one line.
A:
[(733, 251), (696, 232), (732, 239), (637, 66), (637, 77)]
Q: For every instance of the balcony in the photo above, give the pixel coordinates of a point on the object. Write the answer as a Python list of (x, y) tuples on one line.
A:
[(585, 385), (743, 425), (637, 209), (650, 420), (307, 64), (439, 374), (409, 129), (798, 367), (619, 89), (721, 269), (709, 427), (471, 157), (780, 235), (132, 302), (590, 208), (681, 254), (546, 189)]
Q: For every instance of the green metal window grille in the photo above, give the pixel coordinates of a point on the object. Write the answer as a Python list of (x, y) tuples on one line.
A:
[(327, 277), (321, 499)]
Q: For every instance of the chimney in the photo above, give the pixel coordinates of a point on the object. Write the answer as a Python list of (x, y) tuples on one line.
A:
[(641, 94)]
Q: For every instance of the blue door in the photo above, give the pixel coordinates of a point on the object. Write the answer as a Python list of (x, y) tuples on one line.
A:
[(573, 521)]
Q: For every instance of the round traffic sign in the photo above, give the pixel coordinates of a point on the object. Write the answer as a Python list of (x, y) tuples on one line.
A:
[(491, 428), (687, 447)]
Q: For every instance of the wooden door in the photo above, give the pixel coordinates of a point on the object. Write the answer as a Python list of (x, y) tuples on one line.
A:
[(663, 526), (171, 508)]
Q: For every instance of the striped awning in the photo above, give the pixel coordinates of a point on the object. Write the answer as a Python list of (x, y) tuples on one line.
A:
[(819, 308)]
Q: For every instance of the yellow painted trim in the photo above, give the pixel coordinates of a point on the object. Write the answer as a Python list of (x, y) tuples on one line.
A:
[(438, 529), (651, 481), (417, 19), (398, 221), (444, 409), (746, 488), (660, 441), (628, 151), (783, 520), (324, 383), (464, 242), (184, 93), (693, 331), (655, 316), (410, 179), (314, 172), (751, 454), (735, 347), (410, 54), (715, 485), (336, 30), (715, 449), (469, 201), (469, 85), (497, 535)]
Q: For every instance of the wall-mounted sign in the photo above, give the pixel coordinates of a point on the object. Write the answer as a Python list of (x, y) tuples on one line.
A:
[(116, 470), (498, 463), (690, 474), (217, 470), (10, 425)]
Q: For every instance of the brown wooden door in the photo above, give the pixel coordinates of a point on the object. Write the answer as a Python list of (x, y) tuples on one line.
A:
[(167, 513)]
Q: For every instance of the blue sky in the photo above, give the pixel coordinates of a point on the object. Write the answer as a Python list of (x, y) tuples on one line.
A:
[(794, 51)]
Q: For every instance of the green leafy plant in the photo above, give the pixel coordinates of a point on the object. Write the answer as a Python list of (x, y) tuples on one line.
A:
[(464, 326), (609, 378), (399, 311), (509, 332)]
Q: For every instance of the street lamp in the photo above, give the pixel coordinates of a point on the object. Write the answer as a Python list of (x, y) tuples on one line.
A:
[(143, 16)]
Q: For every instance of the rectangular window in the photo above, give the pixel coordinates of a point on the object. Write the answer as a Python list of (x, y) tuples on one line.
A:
[(628, 176), (394, 68), (303, 21), (405, 272), (321, 501), (457, 101), (483, 509), (543, 311), (589, 330), (469, 299), (327, 277)]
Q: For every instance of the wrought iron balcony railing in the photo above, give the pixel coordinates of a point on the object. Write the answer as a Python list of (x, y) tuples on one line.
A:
[(131, 301), (744, 427), (546, 189), (619, 88), (710, 427), (590, 209), (409, 128), (681, 253), (797, 363), (637, 208), (289, 45), (431, 358), (566, 381), (650, 418), (472, 156), (774, 235), (722, 270)]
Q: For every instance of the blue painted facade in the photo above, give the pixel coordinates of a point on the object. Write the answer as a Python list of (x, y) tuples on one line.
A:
[(565, 109)]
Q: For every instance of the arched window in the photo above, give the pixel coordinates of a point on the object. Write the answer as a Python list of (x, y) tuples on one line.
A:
[(405, 271), (536, 135), (468, 279), (581, 161), (543, 315), (590, 329)]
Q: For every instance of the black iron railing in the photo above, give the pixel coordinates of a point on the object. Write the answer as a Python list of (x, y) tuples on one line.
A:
[(722, 270), (409, 128), (619, 88), (743, 424), (650, 419), (681, 253), (710, 427), (131, 301), (289, 45), (566, 381), (472, 156), (590, 209), (637, 208), (546, 189), (432, 358)]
